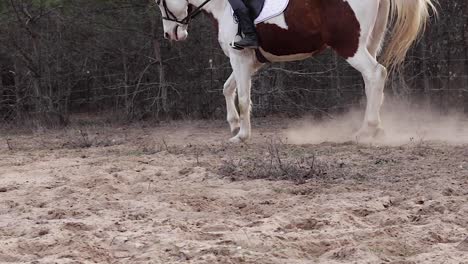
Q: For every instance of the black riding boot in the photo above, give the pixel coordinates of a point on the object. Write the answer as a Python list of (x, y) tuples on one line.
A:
[(247, 27)]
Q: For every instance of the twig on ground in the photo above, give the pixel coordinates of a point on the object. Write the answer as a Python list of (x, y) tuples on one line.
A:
[(10, 148), (165, 145)]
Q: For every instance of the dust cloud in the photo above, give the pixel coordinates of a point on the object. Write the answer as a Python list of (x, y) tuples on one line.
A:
[(403, 124)]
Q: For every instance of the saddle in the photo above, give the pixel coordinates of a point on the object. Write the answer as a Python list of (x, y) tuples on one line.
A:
[(262, 10)]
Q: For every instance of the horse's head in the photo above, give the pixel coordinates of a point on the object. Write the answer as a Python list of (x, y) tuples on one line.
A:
[(175, 20)]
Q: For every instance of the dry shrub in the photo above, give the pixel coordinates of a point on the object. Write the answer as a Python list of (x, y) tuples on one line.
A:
[(83, 140), (274, 162)]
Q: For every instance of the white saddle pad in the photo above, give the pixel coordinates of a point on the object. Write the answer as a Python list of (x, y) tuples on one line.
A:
[(271, 9)]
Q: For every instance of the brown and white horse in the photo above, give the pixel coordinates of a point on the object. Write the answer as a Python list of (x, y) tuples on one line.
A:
[(355, 29)]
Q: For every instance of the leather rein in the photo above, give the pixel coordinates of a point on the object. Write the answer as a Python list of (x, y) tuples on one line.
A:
[(186, 20)]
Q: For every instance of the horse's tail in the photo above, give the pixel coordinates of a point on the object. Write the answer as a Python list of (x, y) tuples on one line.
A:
[(409, 18)]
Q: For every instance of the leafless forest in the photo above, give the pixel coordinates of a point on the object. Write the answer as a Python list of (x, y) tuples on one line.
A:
[(58, 58)]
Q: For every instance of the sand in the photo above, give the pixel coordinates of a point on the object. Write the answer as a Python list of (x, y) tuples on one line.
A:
[(163, 194)]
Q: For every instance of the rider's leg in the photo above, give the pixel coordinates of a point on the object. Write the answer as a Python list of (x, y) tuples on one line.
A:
[(237, 4), (246, 25)]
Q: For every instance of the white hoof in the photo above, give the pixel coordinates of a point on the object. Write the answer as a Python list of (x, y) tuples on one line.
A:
[(369, 133), (235, 140), (239, 139)]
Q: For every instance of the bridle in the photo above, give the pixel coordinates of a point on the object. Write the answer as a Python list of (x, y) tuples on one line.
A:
[(186, 20)]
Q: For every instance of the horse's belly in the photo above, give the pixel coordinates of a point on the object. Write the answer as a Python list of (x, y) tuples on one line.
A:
[(282, 58)]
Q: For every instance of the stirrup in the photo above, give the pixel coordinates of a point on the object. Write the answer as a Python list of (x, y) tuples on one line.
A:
[(234, 46)]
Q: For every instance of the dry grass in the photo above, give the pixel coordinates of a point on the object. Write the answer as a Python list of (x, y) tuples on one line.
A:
[(274, 162), (81, 139)]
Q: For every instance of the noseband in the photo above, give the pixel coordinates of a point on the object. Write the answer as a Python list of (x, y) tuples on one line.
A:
[(186, 20)]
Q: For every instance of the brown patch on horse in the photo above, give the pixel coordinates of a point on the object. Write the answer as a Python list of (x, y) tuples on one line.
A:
[(303, 34), (341, 27), (210, 16), (312, 26)]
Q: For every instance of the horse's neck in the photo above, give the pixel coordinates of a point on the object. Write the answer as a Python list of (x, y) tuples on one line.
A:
[(215, 7)]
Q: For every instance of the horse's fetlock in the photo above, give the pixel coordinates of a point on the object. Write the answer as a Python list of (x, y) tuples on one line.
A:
[(233, 119), (373, 123), (244, 136)]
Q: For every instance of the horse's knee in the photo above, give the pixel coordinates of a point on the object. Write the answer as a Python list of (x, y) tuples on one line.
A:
[(244, 104), (228, 91), (229, 87)]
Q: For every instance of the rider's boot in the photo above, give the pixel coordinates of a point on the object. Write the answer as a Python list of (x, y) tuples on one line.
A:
[(247, 27)]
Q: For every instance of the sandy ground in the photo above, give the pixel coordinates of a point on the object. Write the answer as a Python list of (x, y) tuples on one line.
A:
[(177, 193)]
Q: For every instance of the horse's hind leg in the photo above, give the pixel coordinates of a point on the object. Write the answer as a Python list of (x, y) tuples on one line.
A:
[(364, 60), (374, 75), (230, 95), (375, 97)]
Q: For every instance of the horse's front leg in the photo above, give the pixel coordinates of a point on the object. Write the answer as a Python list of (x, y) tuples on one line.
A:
[(243, 67), (230, 95)]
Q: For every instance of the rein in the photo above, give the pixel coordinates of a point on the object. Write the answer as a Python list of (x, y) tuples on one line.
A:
[(186, 20)]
